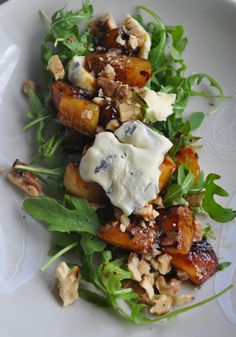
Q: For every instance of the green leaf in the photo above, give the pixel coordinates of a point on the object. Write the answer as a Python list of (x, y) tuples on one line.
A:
[(91, 245), (195, 120), (82, 218), (176, 191), (223, 265), (208, 232), (216, 211), (94, 298)]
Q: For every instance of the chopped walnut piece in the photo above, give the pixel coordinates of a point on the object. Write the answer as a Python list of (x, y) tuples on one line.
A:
[(162, 304), (56, 67), (144, 267), (170, 288), (29, 85), (125, 222), (158, 202), (147, 284), (133, 262), (108, 72), (25, 180), (147, 212), (182, 275), (197, 230), (164, 265), (68, 283), (182, 299)]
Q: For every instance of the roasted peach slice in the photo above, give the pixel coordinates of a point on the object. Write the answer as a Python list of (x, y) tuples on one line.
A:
[(78, 187), (129, 69), (175, 226), (136, 238), (200, 263)]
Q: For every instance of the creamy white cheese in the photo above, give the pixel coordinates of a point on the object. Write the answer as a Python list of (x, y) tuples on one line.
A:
[(160, 104), (79, 76), (127, 167)]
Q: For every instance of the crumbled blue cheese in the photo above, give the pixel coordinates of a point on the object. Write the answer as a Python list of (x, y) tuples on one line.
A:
[(79, 76), (126, 164), (160, 104)]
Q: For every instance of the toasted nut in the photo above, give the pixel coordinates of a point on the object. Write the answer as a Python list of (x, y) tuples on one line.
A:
[(147, 284), (170, 288), (164, 263), (25, 180), (147, 212), (56, 67), (182, 299), (162, 304), (68, 283), (133, 262), (108, 72), (29, 85)]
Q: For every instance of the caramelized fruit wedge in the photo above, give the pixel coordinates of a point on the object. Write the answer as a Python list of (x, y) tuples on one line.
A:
[(200, 263), (135, 238), (167, 168), (78, 187), (175, 229), (189, 157), (61, 88), (79, 114), (129, 69)]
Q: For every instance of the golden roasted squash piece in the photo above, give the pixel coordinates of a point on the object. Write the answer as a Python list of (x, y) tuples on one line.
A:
[(175, 229), (78, 187), (79, 114), (200, 263), (129, 69), (167, 168), (61, 88), (189, 157), (136, 238)]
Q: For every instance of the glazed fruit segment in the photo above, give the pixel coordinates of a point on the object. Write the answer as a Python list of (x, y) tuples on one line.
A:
[(79, 114), (175, 229), (135, 238), (78, 187), (200, 263), (130, 70)]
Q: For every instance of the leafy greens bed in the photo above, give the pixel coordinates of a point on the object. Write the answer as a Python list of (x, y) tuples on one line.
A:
[(73, 220)]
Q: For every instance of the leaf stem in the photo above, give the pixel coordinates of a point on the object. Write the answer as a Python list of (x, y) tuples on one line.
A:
[(56, 256), (36, 121), (45, 17), (40, 170)]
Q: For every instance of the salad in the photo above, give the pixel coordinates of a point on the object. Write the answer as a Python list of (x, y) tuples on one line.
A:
[(116, 175)]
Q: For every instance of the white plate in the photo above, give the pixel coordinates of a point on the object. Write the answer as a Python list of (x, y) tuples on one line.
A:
[(28, 302)]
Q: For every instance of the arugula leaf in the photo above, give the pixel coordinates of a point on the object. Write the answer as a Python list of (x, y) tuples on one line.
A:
[(82, 218), (94, 298), (91, 245), (208, 232), (176, 191), (195, 120), (68, 35), (223, 265), (216, 211)]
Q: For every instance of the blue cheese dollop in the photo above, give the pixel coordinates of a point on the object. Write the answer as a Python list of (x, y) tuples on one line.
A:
[(126, 164)]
